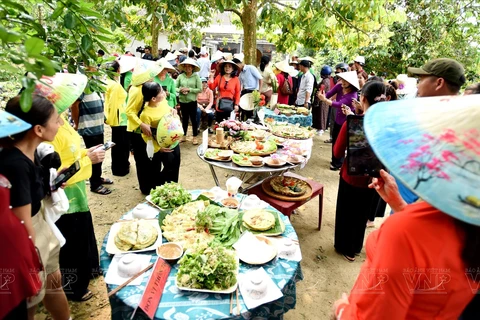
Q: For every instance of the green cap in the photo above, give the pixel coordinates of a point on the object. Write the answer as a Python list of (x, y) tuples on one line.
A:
[(445, 68)]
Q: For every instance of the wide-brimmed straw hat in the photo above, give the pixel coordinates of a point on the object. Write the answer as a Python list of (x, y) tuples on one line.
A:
[(170, 56), (309, 59), (127, 63), (221, 64), (217, 56), (433, 146), (190, 62), (62, 89), (351, 77), (10, 124), (145, 70), (285, 67)]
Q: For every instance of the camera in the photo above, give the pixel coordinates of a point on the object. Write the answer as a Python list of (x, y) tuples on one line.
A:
[(140, 49)]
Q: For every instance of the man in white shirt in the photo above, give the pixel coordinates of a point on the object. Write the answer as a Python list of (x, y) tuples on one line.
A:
[(204, 64), (306, 85)]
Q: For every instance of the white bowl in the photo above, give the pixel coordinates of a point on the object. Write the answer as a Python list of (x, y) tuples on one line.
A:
[(144, 211), (129, 265), (256, 286), (288, 247), (169, 247)]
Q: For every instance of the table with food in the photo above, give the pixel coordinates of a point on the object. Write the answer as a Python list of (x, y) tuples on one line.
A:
[(202, 240), (274, 148), (289, 114)]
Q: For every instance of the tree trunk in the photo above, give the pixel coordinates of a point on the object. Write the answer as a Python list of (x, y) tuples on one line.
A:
[(249, 22), (155, 30)]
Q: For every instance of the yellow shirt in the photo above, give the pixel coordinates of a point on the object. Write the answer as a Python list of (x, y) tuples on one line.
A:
[(152, 116), (67, 143), (134, 103), (115, 97)]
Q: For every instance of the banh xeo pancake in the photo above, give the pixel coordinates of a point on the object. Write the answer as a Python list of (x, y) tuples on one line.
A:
[(135, 235), (259, 219), (289, 186)]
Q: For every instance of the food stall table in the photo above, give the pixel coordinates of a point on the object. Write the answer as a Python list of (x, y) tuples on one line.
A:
[(304, 121), (177, 304), (287, 207), (247, 173)]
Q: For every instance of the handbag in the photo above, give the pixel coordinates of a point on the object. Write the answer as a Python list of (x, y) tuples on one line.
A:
[(225, 105)]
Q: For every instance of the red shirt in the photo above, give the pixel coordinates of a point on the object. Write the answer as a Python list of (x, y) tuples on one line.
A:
[(339, 152), (413, 269), (283, 99), (227, 89)]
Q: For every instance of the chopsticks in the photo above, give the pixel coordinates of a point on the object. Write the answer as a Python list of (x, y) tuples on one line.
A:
[(231, 302), (123, 285)]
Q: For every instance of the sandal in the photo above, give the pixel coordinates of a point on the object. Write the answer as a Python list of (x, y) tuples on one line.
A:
[(333, 168), (87, 296), (106, 181), (195, 141), (102, 190), (328, 141), (349, 259)]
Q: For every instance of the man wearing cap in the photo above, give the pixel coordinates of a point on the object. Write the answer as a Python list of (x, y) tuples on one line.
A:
[(250, 79), (359, 62), (306, 85), (204, 64)]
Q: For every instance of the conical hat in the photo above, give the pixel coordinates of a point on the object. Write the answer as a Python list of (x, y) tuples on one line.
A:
[(351, 77), (170, 56), (310, 59), (217, 56), (127, 63), (240, 56), (10, 124), (190, 62), (145, 70), (165, 65), (432, 145), (62, 89), (177, 53), (246, 102), (283, 66)]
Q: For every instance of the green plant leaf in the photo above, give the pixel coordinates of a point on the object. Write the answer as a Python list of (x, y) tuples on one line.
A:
[(34, 46), (86, 42), (69, 21)]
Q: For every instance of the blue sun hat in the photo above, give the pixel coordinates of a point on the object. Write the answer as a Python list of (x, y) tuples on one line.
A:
[(433, 146), (10, 124)]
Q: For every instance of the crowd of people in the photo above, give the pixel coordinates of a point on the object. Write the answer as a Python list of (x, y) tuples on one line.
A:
[(139, 97)]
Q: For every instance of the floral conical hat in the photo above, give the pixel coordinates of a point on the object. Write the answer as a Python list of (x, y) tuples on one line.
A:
[(433, 146), (62, 89), (145, 70)]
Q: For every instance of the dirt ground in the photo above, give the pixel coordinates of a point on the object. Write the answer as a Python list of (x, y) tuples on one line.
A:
[(326, 274)]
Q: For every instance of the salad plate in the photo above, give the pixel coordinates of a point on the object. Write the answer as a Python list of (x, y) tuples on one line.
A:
[(149, 200), (228, 290), (265, 250)]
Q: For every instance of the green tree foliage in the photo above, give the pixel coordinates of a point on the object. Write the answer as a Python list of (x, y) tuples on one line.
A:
[(433, 29), (44, 36)]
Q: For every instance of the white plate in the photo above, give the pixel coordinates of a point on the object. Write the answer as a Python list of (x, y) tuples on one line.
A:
[(267, 162), (112, 248), (228, 290), (149, 199), (245, 255)]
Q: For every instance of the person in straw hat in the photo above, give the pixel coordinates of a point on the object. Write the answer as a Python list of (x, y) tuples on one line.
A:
[(216, 59), (282, 76), (428, 252), (165, 80), (188, 86), (345, 91), (228, 86), (359, 63)]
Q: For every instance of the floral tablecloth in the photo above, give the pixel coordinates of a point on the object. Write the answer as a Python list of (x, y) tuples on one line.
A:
[(304, 121), (183, 305)]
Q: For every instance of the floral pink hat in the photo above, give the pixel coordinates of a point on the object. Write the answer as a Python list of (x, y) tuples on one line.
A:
[(433, 146)]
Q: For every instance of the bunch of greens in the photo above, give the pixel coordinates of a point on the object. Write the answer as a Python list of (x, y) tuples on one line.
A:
[(170, 195), (212, 268), (223, 223)]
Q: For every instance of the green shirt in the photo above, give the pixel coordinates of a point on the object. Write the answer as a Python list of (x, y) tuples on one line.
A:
[(77, 197), (170, 84), (193, 83), (127, 80)]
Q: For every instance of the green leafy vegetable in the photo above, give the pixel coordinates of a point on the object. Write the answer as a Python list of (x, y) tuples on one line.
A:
[(212, 268), (223, 223), (170, 195)]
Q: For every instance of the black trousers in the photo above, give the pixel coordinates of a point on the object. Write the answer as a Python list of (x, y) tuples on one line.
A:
[(353, 205), (337, 162), (149, 172), (96, 178), (19, 312), (189, 111), (121, 151), (377, 208), (79, 259)]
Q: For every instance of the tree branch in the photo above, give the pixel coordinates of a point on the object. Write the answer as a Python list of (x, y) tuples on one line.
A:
[(348, 23), (264, 2), (238, 13)]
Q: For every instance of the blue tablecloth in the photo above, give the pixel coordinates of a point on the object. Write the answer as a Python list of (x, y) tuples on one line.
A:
[(183, 305), (304, 121)]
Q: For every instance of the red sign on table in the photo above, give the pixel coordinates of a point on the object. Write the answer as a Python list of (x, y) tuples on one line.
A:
[(276, 111), (154, 290)]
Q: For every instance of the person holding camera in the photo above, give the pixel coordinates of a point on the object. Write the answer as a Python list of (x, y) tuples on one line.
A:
[(354, 197), (147, 55)]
